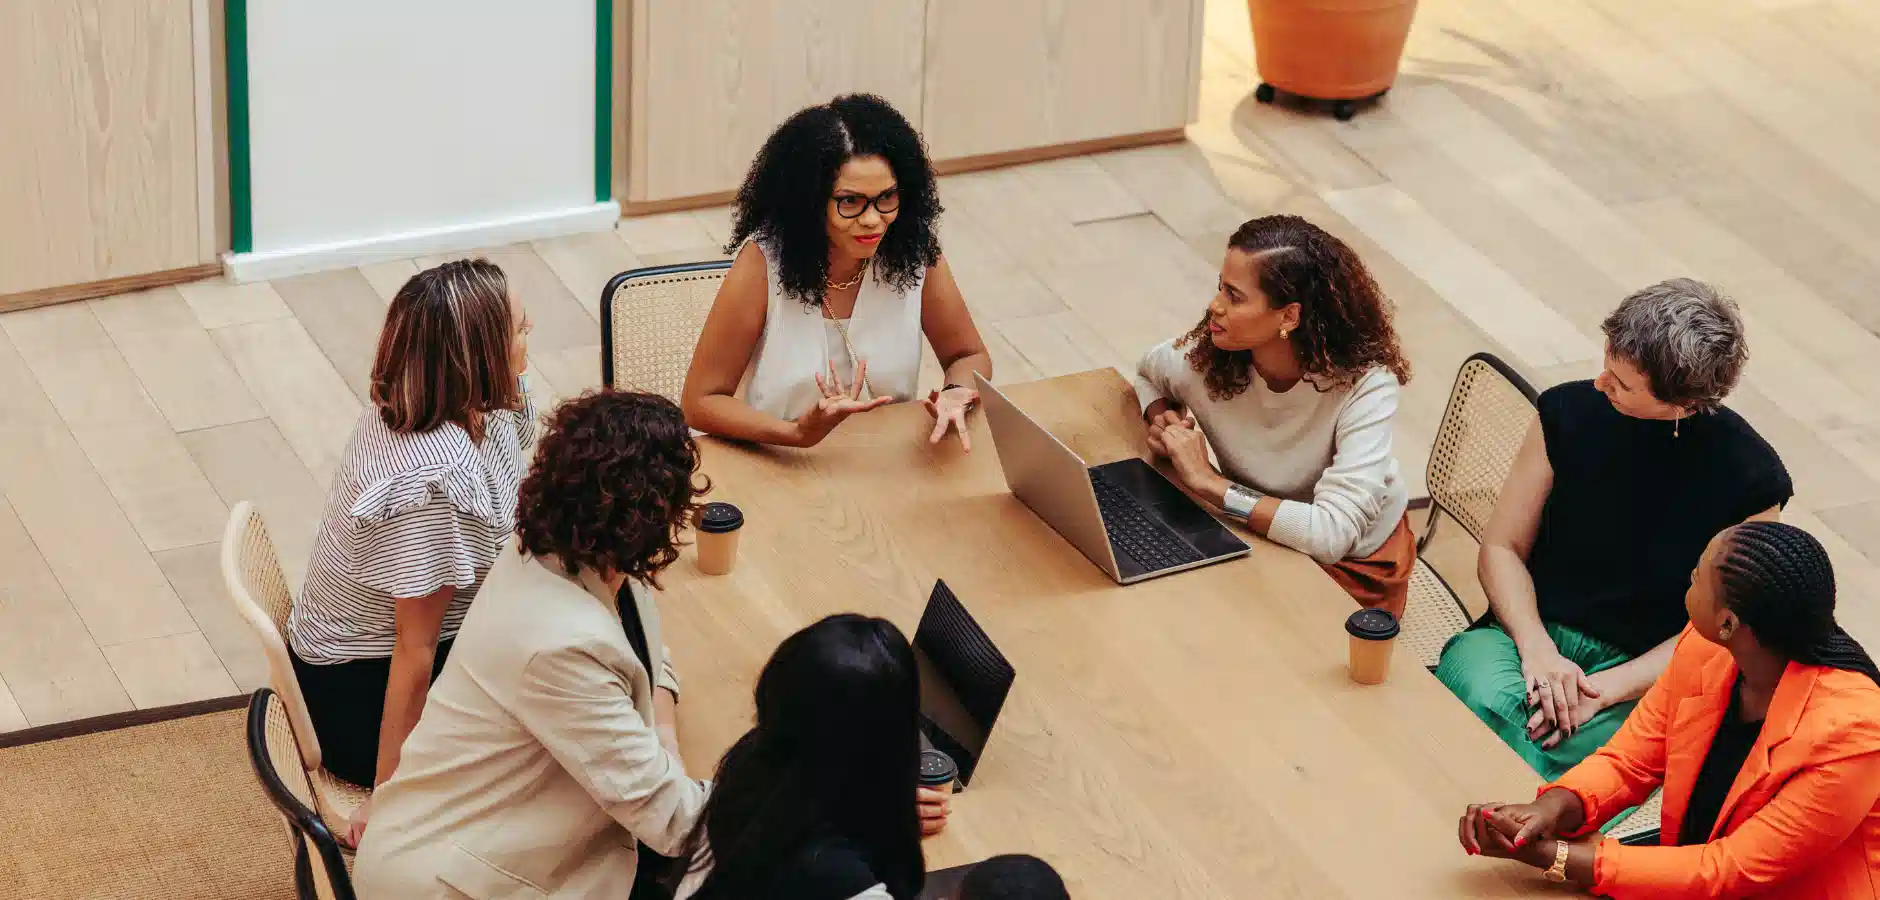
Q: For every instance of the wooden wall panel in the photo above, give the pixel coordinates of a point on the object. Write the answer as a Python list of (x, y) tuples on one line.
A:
[(712, 78), (1005, 75), (98, 163)]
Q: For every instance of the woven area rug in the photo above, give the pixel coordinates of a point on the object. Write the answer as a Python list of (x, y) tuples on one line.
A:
[(168, 810)]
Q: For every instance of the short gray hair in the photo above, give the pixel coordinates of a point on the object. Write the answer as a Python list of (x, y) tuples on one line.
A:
[(1686, 336)]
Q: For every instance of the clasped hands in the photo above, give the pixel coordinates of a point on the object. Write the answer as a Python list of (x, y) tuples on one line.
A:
[(1519, 831), (840, 401), (1560, 696), (1174, 435)]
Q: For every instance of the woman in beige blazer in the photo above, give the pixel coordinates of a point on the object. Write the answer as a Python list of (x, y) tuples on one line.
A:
[(546, 753)]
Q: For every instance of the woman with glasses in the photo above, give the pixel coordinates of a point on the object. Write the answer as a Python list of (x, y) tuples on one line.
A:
[(421, 504), (838, 276)]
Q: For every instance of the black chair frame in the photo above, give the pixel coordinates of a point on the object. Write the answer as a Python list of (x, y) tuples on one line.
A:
[(308, 826)]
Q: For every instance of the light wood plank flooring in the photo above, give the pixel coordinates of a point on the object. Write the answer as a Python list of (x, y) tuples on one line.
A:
[(1537, 160)]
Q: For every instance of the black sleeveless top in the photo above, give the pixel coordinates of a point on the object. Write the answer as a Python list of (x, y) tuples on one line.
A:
[(1632, 507)]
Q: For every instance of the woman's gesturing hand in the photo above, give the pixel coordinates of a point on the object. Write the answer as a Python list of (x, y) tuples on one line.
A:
[(949, 408), (837, 403)]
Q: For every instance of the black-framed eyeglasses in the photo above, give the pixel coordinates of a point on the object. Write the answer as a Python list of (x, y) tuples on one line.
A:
[(851, 206)]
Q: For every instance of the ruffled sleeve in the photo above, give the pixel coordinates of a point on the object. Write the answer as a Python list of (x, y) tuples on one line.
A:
[(409, 530)]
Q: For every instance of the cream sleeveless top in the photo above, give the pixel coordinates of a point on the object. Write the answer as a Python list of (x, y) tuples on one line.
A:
[(799, 341)]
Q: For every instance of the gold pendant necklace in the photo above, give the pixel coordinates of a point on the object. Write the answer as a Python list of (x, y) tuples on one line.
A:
[(842, 328)]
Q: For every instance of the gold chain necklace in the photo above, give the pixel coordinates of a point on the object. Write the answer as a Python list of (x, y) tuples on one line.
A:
[(842, 328), (853, 281)]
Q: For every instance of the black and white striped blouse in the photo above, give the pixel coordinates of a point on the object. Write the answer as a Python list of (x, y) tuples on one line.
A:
[(407, 514)]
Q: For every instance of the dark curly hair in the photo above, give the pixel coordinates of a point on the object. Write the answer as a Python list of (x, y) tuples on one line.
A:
[(1777, 578), (615, 479), (785, 196), (1344, 321)]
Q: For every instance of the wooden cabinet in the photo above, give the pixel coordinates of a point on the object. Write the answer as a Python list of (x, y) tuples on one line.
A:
[(710, 79), (707, 80), (101, 160), (1006, 75)]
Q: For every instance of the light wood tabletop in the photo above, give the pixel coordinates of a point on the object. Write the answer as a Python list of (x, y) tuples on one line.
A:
[(1191, 736)]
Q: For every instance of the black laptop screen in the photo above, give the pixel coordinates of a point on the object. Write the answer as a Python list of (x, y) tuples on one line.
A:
[(964, 680)]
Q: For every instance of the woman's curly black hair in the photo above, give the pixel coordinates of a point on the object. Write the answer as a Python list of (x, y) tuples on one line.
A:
[(615, 479), (1344, 321), (785, 196)]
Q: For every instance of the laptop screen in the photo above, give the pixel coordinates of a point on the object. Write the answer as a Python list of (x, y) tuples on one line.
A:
[(964, 680)]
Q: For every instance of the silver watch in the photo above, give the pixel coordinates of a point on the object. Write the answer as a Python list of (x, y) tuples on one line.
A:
[(1240, 500)]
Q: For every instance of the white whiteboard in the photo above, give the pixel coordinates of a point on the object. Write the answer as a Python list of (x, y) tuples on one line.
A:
[(375, 118)]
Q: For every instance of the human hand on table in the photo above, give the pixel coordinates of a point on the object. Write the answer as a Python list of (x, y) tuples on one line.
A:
[(1155, 421), (1187, 451), (934, 808), (838, 402), (1560, 696), (1510, 830), (949, 409)]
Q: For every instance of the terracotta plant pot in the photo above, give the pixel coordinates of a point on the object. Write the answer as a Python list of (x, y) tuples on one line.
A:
[(1329, 49)]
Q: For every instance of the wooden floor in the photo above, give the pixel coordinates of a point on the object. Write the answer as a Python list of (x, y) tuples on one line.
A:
[(1537, 160)]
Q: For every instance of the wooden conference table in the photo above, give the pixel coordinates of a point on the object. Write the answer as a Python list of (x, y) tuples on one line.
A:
[(1191, 736)]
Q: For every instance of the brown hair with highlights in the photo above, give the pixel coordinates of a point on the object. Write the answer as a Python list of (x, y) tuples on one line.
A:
[(615, 480), (1344, 321), (444, 352)]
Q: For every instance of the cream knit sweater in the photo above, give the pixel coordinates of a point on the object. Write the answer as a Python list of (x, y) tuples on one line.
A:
[(1326, 455)]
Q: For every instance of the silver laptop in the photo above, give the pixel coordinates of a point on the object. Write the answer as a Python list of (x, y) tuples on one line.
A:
[(1124, 516)]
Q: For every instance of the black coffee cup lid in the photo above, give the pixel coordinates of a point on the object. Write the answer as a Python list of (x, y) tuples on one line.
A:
[(937, 768), (717, 518), (1372, 625)]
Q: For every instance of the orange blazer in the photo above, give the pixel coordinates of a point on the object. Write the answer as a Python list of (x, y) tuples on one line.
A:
[(1802, 819)]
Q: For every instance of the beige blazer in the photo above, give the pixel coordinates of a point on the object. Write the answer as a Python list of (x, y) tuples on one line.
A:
[(534, 769)]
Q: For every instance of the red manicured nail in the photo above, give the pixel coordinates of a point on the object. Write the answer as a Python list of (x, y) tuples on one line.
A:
[(1473, 851), (1519, 843)]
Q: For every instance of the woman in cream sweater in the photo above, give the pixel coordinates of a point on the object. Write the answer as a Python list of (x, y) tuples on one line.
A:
[(1292, 376)]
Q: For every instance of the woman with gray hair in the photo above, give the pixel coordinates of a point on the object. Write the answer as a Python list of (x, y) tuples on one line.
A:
[(1613, 496)]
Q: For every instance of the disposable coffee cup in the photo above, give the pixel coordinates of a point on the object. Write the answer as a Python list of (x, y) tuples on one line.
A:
[(718, 527), (938, 771), (1373, 634)]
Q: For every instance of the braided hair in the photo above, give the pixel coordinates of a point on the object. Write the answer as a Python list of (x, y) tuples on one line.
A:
[(1344, 321), (1778, 580)]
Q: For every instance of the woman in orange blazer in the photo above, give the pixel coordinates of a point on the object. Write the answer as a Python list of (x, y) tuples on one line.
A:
[(1764, 732)]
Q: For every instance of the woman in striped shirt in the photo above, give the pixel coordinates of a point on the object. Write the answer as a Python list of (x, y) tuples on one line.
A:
[(422, 503)]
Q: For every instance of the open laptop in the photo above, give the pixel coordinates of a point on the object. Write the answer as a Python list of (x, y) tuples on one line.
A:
[(964, 680), (1124, 516)]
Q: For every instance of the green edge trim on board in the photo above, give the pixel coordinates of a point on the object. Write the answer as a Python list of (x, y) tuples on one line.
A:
[(240, 187), (603, 100)]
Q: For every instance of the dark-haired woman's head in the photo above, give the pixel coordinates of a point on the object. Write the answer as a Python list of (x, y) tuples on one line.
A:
[(848, 179), (1770, 586), (452, 347), (834, 755), (1286, 281), (614, 481), (1014, 876)]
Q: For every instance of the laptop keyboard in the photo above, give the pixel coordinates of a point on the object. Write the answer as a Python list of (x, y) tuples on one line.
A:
[(1135, 533)]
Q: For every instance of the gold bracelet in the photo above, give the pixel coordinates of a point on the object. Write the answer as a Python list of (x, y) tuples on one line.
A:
[(1559, 870)]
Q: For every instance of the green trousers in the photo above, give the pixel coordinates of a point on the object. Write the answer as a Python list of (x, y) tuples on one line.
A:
[(1483, 669)]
